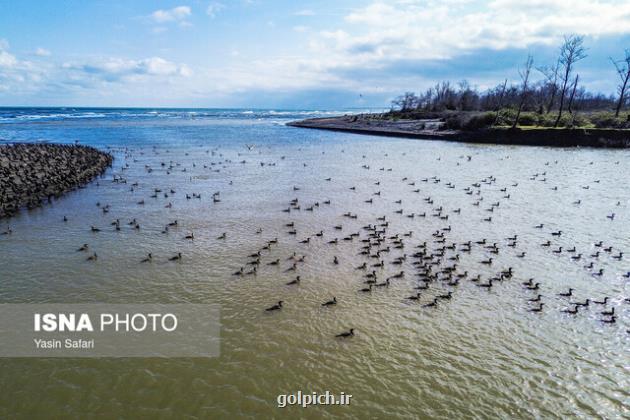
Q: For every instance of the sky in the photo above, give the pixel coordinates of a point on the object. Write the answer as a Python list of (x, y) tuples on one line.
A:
[(288, 54)]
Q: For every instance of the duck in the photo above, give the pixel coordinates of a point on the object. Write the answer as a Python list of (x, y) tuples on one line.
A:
[(292, 282), (536, 299), (431, 304), (610, 320), (566, 294), (414, 297), (330, 302), (572, 311), (446, 296), (601, 302), (366, 289), (176, 257), (346, 334), (609, 312), (83, 247), (92, 257), (275, 307), (538, 309), (148, 258)]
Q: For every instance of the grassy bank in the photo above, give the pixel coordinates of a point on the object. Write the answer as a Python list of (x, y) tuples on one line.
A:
[(474, 120)]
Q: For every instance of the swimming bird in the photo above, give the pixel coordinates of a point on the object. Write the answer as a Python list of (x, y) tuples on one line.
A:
[(330, 302), (346, 334), (275, 307), (431, 304), (566, 294), (292, 282), (148, 258), (538, 309), (84, 247), (176, 257)]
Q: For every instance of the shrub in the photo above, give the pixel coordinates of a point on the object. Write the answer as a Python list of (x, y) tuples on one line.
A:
[(480, 121)]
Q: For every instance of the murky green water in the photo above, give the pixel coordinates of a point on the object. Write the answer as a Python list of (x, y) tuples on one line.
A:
[(481, 354)]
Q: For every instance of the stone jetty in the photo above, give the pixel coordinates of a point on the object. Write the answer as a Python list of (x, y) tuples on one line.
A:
[(32, 174)]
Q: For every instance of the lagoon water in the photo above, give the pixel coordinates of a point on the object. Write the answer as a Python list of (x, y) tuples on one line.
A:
[(480, 355)]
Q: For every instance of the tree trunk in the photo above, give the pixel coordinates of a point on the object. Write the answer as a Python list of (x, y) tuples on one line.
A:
[(621, 94), (577, 76)]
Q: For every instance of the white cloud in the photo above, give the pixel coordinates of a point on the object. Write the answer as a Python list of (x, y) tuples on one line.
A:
[(6, 59), (304, 12), (118, 69), (214, 8), (176, 14), (42, 52), (443, 29)]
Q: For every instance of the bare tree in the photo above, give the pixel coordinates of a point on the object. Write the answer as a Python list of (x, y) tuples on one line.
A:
[(551, 74), (575, 83), (571, 51), (623, 69), (524, 73), (500, 102)]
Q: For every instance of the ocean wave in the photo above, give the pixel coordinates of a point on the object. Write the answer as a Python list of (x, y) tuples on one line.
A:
[(32, 115)]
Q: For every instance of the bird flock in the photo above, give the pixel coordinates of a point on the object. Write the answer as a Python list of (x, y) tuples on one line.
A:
[(429, 260)]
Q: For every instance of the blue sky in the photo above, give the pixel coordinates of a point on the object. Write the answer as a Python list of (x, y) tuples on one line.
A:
[(288, 54)]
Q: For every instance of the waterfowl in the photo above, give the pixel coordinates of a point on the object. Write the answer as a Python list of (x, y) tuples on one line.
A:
[(330, 302), (446, 296), (84, 247), (601, 302), (567, 294), (275, 307), (536, 299), (538, 309), (610, 312), (572, 311), (431, 304), (292, 282), (366, 289), (346, 334), (176, 257), (610, 320), (148, 258), (414, 297), (92, 257), (223, 236)]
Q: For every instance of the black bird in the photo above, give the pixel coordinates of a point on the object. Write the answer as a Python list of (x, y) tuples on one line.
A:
[(431, 304), (571, 311), (296, 281), (148, 258), (275, 307), (346, 334), (538, 309), (567, 294), (330, 302), (176, 257)]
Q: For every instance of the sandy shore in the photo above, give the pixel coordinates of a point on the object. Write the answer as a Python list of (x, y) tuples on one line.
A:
[(430, 129), (33, 173)]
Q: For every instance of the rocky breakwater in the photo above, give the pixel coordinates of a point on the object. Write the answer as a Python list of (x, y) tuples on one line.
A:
[(31, 174)]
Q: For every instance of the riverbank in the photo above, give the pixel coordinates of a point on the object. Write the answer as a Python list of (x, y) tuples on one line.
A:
[(433, 129), (33, 173)]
